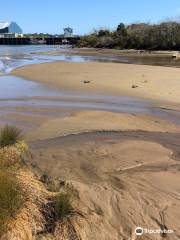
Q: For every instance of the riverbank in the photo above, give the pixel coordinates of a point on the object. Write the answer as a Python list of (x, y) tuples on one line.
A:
[(150, 82)]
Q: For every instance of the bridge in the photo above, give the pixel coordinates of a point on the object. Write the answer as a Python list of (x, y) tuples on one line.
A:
[(46, 41)]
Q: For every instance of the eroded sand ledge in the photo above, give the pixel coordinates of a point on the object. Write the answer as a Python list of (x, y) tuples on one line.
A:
[(159, 83)]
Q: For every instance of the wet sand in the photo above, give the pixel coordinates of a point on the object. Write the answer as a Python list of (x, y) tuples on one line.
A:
[(87, 121), (123, 179), (109, 52)]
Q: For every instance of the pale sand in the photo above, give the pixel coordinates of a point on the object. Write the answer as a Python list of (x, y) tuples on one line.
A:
[(158, 83)]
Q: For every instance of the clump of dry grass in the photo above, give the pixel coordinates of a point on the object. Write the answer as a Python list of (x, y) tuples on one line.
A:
[(9, 135), (29, 220), (63, 204), (12, 157), (9, 157), (46, 237), (20, 195), (44, 215), (10, 199), (27, 208), (70, 227)]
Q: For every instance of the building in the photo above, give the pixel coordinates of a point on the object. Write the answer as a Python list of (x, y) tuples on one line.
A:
[(10, 30)]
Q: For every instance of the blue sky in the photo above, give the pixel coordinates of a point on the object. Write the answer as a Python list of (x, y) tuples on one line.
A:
[(84, 15)]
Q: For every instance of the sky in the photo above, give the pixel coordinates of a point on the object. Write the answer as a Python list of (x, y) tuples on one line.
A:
[(51, 16)]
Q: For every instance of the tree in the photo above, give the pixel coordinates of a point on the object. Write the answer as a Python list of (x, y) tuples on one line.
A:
[(121, 29)]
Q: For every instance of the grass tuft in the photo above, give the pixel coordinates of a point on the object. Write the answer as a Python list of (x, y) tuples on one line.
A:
[(9, 135), (63, 205), (10, 199)]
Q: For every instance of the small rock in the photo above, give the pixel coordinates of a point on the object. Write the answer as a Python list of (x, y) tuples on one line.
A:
[(134, 86), (86, 81)]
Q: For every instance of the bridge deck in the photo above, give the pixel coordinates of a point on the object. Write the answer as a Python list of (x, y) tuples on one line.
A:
[(48, 41)]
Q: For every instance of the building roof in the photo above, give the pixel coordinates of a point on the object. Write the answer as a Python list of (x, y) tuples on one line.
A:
[(11, 27), (4, 24)]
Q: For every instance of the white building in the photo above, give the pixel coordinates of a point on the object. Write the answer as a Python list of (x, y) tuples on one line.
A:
[(10, 30)]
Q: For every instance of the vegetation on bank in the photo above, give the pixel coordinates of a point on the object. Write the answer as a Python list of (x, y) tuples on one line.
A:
[(10, 198), (163, 36), (63, 204), (26, 206), (9, 135)]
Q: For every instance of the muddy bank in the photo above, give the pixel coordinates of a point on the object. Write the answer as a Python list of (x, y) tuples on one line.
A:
[(155, 58)]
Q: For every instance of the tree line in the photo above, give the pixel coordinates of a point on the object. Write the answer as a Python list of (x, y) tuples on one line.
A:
[(162, 36)]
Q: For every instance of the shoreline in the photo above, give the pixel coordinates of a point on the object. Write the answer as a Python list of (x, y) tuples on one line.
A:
[(140, 57)]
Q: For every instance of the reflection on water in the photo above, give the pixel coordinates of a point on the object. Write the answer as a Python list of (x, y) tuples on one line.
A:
[(14, 87), (12, 57)]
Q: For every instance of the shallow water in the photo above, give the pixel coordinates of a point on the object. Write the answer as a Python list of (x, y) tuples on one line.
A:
[(12, 87), (12, 57)]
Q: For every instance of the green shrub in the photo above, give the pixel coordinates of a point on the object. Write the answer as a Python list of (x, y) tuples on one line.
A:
[(63, 205), (9, 135), (10, 199)]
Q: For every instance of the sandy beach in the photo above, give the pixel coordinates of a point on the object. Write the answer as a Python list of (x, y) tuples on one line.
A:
[(150, 82)]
